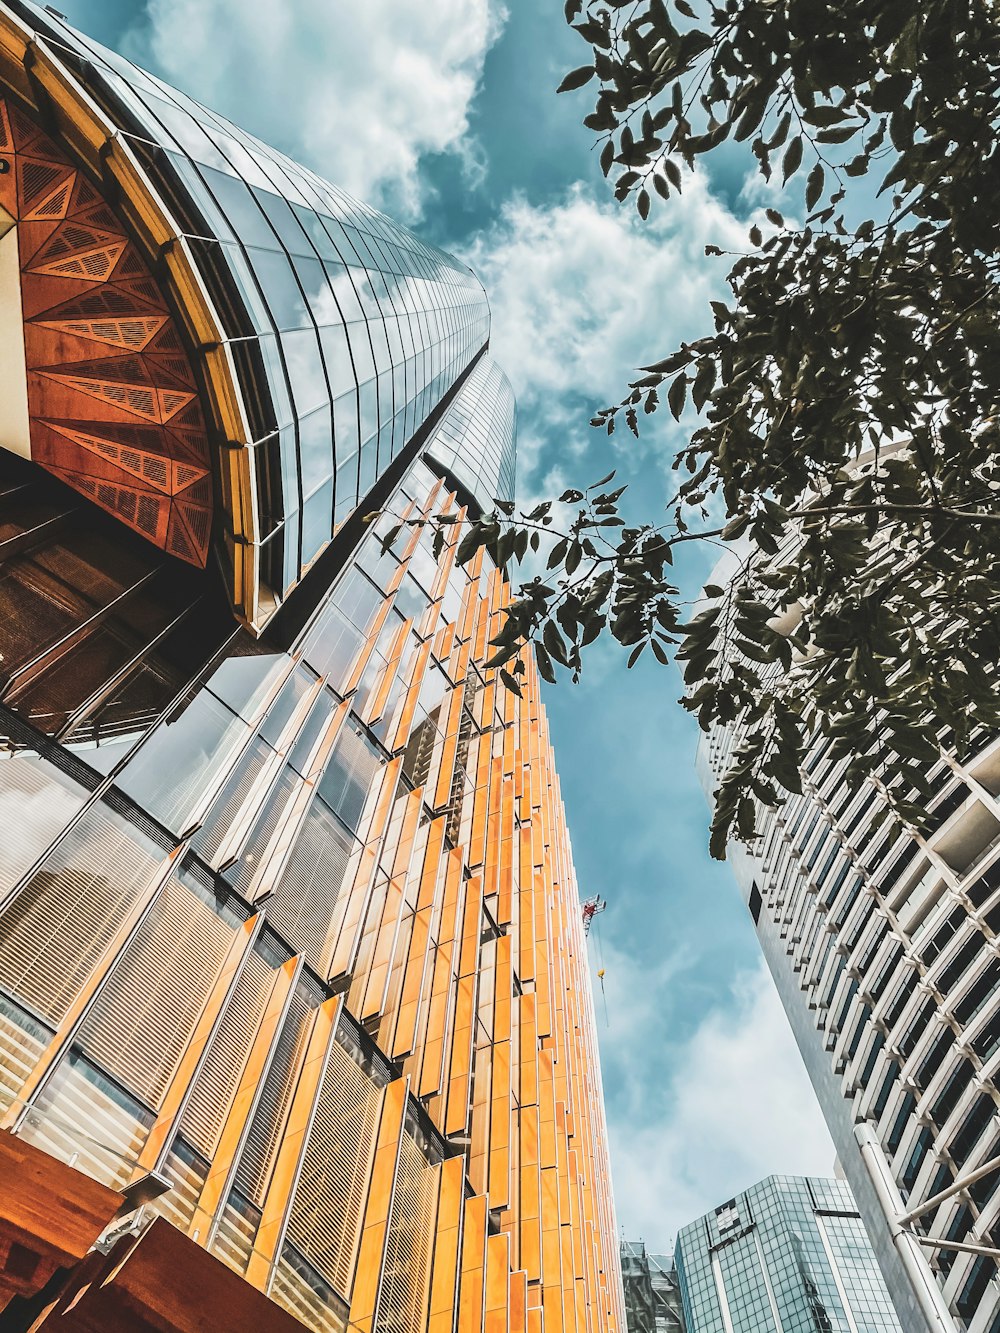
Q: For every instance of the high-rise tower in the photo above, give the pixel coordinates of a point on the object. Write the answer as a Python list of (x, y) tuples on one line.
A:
[(789, 1255), (885, 949), (294, 1010)]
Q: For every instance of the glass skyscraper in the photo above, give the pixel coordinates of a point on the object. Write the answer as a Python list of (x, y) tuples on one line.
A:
[(790, 1255), (295, 1021)]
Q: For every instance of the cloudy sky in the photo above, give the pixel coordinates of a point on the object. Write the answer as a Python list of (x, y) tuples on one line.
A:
[(444, 113)]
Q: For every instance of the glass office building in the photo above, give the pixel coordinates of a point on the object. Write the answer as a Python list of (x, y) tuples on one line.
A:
[(652, 1296), (883, 946), (790, 1255), (295, 1021)]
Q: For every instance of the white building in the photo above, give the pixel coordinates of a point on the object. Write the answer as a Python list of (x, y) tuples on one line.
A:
[(885, 950)]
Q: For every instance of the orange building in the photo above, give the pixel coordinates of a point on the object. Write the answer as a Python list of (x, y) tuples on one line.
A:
[(295, 1017)]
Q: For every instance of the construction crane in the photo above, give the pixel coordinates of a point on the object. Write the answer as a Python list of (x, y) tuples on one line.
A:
[(591, 908)]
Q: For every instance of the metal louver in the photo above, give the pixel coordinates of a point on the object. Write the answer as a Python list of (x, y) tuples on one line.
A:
[(260, 1148), (239, 788), (22, 1041), (61, 922), (402, 1301), (325, 1217), (187, 1171), (301, 909), (147, 1009), (219, 1076), (36, 803), (83, 1116)]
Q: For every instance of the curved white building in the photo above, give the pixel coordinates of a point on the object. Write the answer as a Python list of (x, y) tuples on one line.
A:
[(885, 950)]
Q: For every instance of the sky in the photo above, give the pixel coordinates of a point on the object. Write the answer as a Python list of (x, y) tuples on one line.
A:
[(445, 115)]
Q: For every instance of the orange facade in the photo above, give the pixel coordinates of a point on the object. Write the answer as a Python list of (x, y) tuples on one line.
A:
[(456, 1177), (296, 1019)]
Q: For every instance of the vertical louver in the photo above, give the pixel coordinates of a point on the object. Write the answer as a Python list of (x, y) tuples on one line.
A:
[(59, 925), (146, 1012), (402, 1303), (325, 1219), (215, 1086), (261, 1144)]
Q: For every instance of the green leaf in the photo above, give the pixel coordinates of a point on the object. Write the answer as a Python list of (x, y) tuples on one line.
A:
[(814, 185), (576, 78), (677, 395), (792, 160)]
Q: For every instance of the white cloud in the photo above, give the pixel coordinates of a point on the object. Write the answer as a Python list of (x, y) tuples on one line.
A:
[(734, 1105), (583, 292), (359, 91)]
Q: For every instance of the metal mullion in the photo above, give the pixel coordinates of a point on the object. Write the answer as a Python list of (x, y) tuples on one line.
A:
[(99, 695), (25, 674), (25, 541)]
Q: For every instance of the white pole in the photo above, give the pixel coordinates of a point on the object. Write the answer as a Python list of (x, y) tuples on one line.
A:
[(918, 1270)]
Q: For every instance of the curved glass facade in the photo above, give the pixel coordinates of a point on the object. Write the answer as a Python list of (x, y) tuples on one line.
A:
[(475, 442), (344, 331)]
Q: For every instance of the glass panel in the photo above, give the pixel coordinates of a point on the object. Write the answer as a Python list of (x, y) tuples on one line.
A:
[(184, 760)]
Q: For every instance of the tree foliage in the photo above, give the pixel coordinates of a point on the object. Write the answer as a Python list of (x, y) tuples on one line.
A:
[(847, 397)]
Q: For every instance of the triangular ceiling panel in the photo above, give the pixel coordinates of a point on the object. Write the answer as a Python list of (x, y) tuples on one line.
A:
[(73, 237), (26, 132), (97, 263), (55, 205), (153, 470), (102, 302), (131, 333), (107, 367), (36, 181)]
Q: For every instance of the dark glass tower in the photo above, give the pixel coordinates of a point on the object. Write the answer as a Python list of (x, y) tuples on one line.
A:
[(294, 1012)]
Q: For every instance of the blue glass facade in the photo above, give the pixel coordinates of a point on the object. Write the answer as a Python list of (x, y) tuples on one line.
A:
[(790, 1255), (342, 330)]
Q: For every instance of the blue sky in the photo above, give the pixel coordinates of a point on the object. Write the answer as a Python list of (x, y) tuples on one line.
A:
[(445, 115)]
